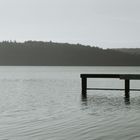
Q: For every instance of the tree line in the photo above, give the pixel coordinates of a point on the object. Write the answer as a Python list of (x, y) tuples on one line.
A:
[(39, 53)]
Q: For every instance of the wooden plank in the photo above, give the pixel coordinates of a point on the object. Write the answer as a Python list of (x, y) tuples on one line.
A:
[(120, 76), (130, 76), (100, 76)]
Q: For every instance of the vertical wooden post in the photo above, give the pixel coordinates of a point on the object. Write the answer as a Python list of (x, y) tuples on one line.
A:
[(84, 87), (127, 88)]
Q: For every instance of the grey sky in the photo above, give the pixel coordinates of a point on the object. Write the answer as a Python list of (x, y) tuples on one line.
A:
[(103, 23)]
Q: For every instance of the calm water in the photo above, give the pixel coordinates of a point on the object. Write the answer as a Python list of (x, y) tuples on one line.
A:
[(44, 103)]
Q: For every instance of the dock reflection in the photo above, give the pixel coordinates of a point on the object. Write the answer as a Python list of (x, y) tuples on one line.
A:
[(127, 100), (85, 100)]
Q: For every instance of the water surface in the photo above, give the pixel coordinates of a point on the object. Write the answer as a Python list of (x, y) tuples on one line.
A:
[(44, 103)]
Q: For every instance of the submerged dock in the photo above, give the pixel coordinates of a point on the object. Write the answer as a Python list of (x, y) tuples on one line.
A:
[(125, 77)]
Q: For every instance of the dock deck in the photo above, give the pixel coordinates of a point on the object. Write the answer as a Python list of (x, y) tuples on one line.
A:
[(125, 77)]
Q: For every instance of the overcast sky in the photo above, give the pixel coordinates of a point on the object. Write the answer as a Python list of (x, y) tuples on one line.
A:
[(103, 23)]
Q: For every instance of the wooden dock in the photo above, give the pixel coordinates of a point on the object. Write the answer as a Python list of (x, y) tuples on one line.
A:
[(125, 77)]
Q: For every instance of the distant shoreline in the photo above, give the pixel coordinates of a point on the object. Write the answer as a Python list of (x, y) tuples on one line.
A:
[(39, 53)]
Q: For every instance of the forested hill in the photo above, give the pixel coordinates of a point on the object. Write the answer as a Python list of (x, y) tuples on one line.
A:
[(135, 51), (38, 53)]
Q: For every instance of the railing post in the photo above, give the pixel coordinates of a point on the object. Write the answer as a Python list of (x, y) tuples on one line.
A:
[(84, 87), (127, 88)]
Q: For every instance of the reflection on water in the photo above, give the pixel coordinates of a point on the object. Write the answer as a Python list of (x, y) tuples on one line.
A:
[(127, 100), (110, 102), (85, 100)]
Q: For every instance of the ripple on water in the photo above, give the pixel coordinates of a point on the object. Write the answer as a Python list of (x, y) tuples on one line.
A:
[(37, 106)]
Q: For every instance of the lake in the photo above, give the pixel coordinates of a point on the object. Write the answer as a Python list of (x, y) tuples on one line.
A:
[(44, 103)]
